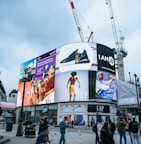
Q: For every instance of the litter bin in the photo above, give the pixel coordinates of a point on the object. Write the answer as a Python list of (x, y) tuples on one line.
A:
[(9, 126), (30, 131)]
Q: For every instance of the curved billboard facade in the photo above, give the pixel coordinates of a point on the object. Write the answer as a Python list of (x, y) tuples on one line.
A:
[(73, 72)]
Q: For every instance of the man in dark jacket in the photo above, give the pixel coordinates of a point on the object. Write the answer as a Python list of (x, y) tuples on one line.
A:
[(105, 135), (63, 130), (134, 129)]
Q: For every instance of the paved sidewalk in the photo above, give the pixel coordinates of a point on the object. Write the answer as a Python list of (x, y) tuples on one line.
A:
[(73, 136)]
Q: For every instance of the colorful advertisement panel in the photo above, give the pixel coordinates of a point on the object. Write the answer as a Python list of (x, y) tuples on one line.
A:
[(68, 73), (106, 86), (27, 70), (106, 61), (38, 75)]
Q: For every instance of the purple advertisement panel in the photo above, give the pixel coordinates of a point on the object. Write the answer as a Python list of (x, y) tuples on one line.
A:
[(45, 65)]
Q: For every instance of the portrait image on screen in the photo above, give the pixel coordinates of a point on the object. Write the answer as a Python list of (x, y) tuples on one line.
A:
[(106, 86)]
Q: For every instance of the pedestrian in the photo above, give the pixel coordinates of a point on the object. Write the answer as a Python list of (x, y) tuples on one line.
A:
[(121, 124), (112, 127), (45, 123), (92, 121), (94, 129), (105, 135), (41, 129), (72, 123), (63, 130), (99, 126), (43, 138), (134, 129)]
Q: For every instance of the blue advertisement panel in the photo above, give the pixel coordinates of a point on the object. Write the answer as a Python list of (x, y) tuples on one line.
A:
[(106, 86), (27, 70)]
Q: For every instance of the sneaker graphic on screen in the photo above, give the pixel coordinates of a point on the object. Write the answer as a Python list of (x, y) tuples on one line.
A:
[(77, 57)]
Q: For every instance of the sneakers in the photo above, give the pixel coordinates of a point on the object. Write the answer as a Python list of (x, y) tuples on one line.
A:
[(77, 57), (70, 57)]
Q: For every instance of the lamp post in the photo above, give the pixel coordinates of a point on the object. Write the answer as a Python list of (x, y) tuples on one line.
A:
[(20, 125), (136, 84), (129, 77)]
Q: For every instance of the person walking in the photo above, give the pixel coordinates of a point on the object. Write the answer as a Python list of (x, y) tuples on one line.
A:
[(134, 130), (63, 130), (121, 124)]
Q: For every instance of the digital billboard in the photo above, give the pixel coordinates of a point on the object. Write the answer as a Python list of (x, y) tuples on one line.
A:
[(106, 61), (67, 73)]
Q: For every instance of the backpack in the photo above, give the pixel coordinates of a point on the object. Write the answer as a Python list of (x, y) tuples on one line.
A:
[(134, 127), (94, 128)]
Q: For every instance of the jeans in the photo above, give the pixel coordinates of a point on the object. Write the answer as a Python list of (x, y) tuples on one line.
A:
[(124, 136), (62, 138), (135, 138)]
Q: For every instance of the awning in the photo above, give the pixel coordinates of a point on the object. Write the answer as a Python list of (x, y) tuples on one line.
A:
[(7, 105)]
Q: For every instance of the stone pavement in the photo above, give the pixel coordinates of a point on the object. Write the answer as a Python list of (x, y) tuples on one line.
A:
[(77, 135)]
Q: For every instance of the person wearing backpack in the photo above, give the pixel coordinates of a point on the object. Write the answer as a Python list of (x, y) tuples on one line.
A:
[(134, 129), (63, 130)]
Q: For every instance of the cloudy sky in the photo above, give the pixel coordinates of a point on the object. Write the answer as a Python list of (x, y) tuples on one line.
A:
[(29, 28)]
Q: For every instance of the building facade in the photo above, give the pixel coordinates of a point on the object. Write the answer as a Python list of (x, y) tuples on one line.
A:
[(77, 80)]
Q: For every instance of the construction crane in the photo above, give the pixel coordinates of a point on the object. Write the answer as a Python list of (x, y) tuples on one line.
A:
[(78, 23), (119, 50)]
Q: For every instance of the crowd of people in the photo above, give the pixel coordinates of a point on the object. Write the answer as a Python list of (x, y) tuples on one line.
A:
[(104, 131)]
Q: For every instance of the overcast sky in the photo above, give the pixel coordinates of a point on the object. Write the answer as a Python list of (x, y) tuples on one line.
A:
[(29, 28)]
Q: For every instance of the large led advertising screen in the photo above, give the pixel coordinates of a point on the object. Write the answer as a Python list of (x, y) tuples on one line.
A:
[(71, 72)]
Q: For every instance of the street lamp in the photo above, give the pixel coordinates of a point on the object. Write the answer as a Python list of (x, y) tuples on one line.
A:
[(129, 77), (136, 84), (20, 125)]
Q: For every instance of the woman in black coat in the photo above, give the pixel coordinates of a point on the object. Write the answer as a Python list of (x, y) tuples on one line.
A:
[(105, 135)]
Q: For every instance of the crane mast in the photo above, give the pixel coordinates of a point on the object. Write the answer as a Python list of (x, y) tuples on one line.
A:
[(119, 50), (77, 21)]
